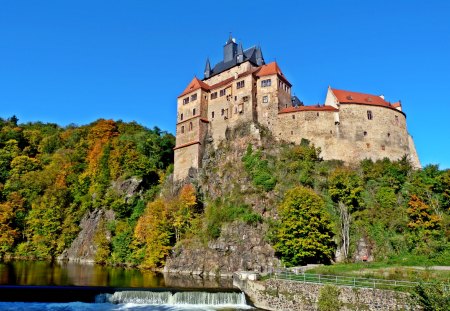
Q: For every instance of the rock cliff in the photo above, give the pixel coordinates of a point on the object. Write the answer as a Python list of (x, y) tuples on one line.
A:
[(240, 246)]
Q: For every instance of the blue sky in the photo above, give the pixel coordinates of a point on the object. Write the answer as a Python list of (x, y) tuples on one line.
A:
[(77, 61)]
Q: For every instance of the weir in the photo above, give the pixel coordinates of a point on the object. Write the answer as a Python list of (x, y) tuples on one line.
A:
[(90, 294), (178, 298)]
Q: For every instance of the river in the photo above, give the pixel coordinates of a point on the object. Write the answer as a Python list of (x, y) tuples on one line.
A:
[(26, 285)]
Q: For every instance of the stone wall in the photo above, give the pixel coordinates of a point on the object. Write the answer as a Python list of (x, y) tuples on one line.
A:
[(184, 159), (281, 295), (349, 135)]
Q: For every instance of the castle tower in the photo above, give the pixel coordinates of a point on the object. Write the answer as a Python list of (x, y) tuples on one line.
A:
[(191, 128), (229, 50)]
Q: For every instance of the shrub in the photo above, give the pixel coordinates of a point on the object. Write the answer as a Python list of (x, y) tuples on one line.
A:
[(329, 298)]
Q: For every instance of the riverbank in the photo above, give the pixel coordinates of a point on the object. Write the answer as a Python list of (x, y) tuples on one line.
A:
[(283, 295)]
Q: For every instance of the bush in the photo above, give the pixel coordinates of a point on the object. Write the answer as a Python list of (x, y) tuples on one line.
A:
[(329, 298), (435, 297)]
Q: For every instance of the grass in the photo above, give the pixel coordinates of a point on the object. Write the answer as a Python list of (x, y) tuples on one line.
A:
[(385, 270)]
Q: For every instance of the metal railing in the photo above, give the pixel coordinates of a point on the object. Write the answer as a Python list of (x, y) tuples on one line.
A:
[(344, 281)]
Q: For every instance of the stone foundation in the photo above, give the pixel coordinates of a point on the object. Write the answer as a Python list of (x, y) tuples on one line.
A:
[(281, 295)]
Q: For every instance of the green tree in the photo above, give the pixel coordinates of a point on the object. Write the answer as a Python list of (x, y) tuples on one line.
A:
[(345, 189), (304, 234)]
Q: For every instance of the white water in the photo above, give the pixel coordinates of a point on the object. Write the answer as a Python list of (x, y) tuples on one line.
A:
[(142, 301), (81, 306), (177, 299)]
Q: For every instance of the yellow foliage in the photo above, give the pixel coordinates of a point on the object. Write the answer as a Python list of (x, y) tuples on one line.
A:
[(162, 220)]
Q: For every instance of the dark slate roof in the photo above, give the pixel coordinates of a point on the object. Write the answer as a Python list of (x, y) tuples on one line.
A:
[(249, 55)]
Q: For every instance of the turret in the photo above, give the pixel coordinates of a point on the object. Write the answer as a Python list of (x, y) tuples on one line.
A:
[(259, 57), (240, 54), (207, 71), (229, 50)]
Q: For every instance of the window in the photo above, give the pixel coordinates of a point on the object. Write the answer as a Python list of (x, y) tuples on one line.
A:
[(292, 132), (214, 95), (383, 147), (181, 117), (241, 108), (223, 92), (193, 97), (182, 129), (212, 115), (265, 83), (223, 112), (235, 110), (240, 84), (369, 115), (190, 126), (389, 134), (186, 100), (265, 99), (193, 112), (293, 116), (365, 133), (396, 120)]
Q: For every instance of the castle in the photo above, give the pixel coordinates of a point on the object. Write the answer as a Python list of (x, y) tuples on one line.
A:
[(350, 126)]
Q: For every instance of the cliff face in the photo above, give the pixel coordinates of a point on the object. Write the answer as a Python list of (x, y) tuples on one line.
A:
[(83, 248), (240, 246)]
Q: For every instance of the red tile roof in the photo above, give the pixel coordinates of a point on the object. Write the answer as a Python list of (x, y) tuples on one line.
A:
[(271, 69), (195, 85), (359, 98), (307, 108), (397, 104)]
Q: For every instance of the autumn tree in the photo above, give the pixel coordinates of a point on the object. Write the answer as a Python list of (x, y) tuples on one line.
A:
[(163, 224), (304, 234)]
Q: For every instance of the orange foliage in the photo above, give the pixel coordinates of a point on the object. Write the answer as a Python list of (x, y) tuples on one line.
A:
[(421, 216), (101, 133)]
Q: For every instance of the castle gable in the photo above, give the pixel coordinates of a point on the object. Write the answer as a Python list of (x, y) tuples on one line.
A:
[(194, 85), (271, 69)]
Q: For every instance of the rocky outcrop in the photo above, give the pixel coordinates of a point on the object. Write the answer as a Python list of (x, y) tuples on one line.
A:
[(83, 248), (239, 247), (127, 188)]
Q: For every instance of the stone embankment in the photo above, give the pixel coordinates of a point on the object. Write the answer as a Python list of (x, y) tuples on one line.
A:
[(283, 295)]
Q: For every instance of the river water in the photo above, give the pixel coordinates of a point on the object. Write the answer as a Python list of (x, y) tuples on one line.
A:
[(23, 284)]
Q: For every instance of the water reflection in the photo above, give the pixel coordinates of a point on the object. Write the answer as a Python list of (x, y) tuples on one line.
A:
[(69, 273)]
